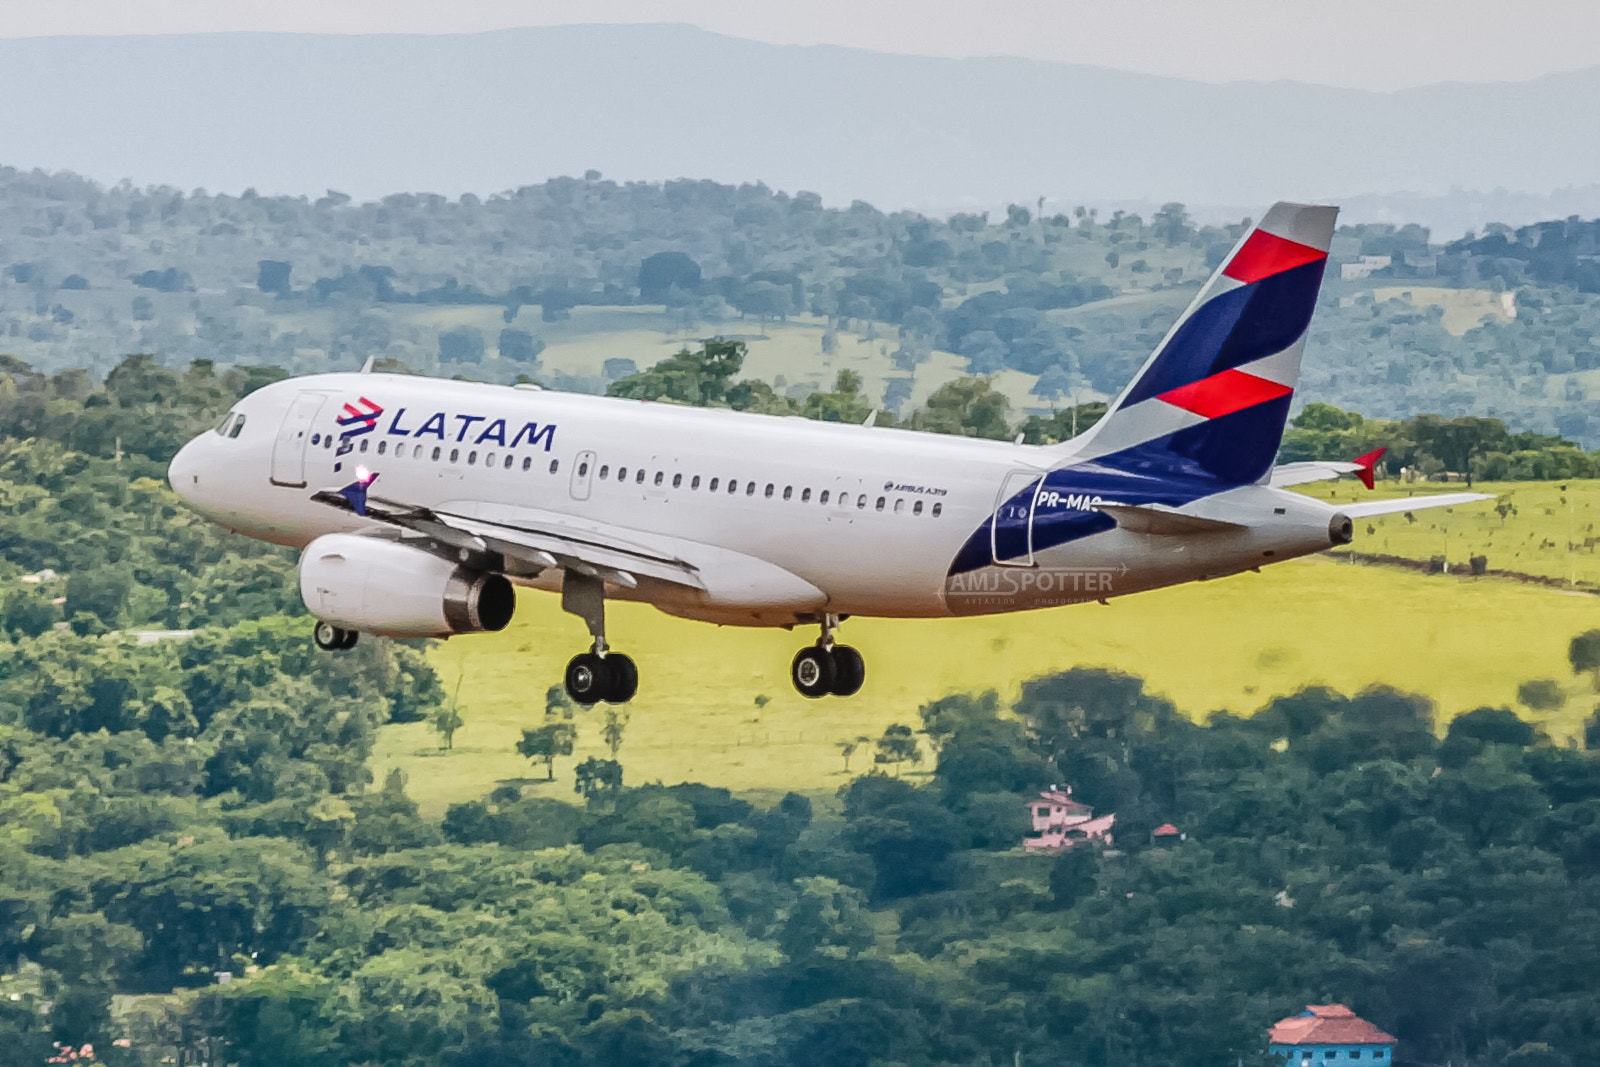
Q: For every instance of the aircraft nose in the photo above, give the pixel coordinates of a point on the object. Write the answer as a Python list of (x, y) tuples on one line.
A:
[(183, 473)]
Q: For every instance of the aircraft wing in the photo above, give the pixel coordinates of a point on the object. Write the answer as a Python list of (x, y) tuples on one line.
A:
[(1362, 467), (1287, 474), (1412, 503), (536, 545)]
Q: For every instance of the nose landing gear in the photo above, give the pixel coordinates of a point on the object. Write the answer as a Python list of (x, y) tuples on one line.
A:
[(331, 638), (827, 668)]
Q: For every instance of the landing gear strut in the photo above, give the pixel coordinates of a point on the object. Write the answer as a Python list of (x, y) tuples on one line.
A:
[(598, 674), (826, 667), (331, 638)]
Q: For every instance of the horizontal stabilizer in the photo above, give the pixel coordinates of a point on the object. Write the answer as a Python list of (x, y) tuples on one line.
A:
[(1137, 518), (1413, 503), (1287, 474)]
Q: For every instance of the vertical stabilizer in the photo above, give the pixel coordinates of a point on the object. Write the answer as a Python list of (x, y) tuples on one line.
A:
[(1211, 401)]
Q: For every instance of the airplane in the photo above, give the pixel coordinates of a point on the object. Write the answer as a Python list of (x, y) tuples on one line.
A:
[(418, 503)]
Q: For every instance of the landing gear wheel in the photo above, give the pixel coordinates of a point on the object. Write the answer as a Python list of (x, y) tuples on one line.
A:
[(587, 679), (331, 638), (622, 678), (851, 671), (814, 672)]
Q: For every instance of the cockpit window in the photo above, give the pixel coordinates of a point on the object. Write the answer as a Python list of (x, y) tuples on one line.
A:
[(222, 424), (238, 424)]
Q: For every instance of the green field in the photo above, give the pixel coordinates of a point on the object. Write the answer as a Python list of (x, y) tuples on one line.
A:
[(1227, 644), (1552, 533)]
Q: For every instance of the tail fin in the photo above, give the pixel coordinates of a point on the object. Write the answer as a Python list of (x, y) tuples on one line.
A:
[(1211, 401)]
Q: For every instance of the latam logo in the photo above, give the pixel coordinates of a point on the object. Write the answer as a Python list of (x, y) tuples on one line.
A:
[(359, 418), (442, 426)]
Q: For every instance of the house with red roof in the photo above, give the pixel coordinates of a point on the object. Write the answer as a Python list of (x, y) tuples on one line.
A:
[(1329, 1035), (1059, 822)]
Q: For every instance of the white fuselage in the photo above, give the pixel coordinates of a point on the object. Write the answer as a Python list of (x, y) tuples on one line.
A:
[(865, 521)]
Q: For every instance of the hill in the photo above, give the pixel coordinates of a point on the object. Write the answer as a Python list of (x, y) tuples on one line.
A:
[(485, 112)]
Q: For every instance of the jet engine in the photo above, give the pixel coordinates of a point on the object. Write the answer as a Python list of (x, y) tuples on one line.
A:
[(1341, 531), (388, 587)]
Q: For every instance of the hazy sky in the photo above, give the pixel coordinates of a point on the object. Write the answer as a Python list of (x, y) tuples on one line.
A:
[(1368, 44)]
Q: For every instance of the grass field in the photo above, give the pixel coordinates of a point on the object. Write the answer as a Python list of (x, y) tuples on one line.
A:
[(1554, 531), (1227, 644), (1464, 309)]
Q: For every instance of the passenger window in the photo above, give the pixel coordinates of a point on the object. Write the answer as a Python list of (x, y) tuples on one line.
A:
[(659, 477), (805, 496), (712, 488), (936, 509), (677, 480), (488, 459), (383, 446), (861, 504), (604, 470), (238, 424), (750, 488), (555, 465), (788, 492), (823, 499), (327, 441), (583, 468), (881, 502), (622, 473), (316, 438), (472, 458), (638, 477), (916, 508), (694, 483), (768, 493), (509, 458), (363, 444), (899, 505), (527, 462), (436, 453), (733, 485)]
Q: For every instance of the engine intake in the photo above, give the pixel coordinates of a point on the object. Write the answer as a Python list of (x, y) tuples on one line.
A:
[(391, 588)]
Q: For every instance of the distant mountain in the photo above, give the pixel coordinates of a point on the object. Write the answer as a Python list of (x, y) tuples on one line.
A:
[(370, 115)]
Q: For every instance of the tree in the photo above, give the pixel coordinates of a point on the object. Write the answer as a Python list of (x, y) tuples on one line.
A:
[(595, 776), (665, 271), (897, 745), (1584, 655), (446, 721), (272, 276), (612, 730), (464, 344), (546, 743), (848, 747), (1541, 694), (519, 346)]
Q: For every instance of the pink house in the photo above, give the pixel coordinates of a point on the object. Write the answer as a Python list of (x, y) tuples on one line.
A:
[(1059, 822)]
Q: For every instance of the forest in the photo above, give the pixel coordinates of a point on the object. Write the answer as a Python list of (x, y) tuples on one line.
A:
[(1497, 325), (198, 867)]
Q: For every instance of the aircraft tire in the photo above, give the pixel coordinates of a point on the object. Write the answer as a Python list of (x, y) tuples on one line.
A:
[(586, 679), (850, 671), (622, 678), (813, 672), (328, 637), (349, 640)]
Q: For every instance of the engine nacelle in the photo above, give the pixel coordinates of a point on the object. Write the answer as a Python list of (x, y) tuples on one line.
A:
[(390, 588)]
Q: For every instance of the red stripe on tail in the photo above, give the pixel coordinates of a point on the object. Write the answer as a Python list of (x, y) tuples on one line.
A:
[(1224, 393), (1266, 254)]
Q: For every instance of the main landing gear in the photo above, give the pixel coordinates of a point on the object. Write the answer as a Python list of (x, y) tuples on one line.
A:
[(827, 668), (331, 638), (598, 674)]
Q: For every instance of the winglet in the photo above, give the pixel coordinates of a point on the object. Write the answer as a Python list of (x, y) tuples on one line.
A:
[(356, 491), (366, 368), (1365, 464)]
